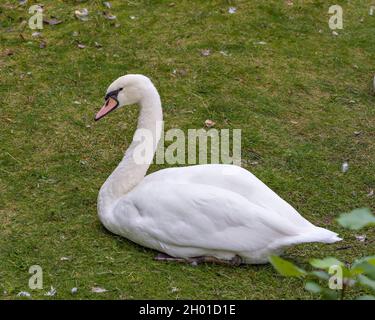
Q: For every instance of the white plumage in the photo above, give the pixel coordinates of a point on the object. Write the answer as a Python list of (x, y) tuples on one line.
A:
[(214, 210)]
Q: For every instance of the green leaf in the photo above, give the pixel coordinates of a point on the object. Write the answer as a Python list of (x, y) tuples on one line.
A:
[(369, 259), (366, 269), (313, 287), (365, 266), (366, 297), (367, 282), (325, 263), (286, 268), (320, 275), (330, 294), (356, 219)]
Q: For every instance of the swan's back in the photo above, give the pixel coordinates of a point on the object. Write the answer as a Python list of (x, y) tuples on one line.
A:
[(235, 179), (187, 219)]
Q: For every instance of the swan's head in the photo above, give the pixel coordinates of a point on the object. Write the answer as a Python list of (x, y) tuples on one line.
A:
[(124, 91)]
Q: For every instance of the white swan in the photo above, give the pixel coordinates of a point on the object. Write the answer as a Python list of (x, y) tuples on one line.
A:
[(196, 213)]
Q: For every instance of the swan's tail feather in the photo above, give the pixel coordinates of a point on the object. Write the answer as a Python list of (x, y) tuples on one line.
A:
[(316, 234)]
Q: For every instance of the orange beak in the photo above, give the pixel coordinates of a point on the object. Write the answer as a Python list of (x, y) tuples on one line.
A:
[(110, 105)]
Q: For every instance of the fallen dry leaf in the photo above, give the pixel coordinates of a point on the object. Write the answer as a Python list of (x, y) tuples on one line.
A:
[(98, 290), (109, 16), (23, 24), (361, 238), (205, 52), (51, 293), (209, 123), (7, 52), (52, 21), (82, 15), (179, 72), (345, 167), (23, 294)]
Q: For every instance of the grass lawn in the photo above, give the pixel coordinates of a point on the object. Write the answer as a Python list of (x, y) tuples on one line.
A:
[(301, 96)]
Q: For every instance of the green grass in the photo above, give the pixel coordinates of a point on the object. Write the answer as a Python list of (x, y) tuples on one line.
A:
[(298, 100)]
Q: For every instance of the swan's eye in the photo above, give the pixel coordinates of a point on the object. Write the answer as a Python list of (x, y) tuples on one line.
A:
[(113, 93)]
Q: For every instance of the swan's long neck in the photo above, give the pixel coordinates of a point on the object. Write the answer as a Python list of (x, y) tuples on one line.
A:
[(132, 169)]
